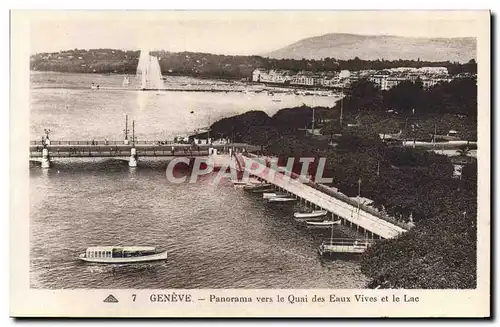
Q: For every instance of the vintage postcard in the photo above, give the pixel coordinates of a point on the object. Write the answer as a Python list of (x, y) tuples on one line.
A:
[(250, 164)]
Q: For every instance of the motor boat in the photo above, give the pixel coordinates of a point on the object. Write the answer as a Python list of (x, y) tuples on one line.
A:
[(122, 254), (313, 214)]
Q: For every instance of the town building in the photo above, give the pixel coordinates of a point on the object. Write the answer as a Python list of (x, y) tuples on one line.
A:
[(384, 79)]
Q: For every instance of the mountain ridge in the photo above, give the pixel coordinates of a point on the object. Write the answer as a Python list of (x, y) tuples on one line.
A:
[(346, 46)]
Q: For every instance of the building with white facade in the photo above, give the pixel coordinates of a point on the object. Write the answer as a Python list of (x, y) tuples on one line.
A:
[(384, 79)]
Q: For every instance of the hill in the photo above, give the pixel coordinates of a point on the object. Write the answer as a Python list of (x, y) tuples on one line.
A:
[(372, 47)]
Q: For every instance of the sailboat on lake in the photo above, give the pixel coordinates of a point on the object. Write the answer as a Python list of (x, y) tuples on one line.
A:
[(126, 81), (149, 71)]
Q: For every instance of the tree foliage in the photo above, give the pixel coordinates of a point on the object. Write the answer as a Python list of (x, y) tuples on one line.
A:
[(440, 252)]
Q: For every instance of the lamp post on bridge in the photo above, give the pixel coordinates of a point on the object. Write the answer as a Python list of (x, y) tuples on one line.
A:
[(47, 140), (341, 105), (125, 141), (133, 154), (209, 141), (133, 133), (45, 150)]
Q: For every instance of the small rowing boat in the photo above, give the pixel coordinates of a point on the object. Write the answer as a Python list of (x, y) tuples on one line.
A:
[(263, 190), (281, 200), (313, 214), (266, 196), (324, 223), (245, 182), (251, 187)]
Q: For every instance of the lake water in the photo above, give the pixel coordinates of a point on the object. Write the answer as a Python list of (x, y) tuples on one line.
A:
[(217, 236), (65, 104)]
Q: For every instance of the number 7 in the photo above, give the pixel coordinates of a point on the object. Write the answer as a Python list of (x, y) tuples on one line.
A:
[(133, 297)]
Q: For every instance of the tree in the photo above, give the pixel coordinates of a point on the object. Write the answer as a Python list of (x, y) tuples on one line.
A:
[(363, 95), (405, 96)]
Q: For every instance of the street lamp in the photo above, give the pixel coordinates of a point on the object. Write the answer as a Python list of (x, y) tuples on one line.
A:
[(209, 122), (47, 141), (359, 194), (126, 130), (133, 133), (341, 105)]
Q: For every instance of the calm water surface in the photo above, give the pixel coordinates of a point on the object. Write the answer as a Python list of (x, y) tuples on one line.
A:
[(217, 236), (77, 113)]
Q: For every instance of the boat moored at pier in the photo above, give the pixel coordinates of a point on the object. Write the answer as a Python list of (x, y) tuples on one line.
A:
[(239, 183), (263, 189), (346, 246), (270, 195), (281, 200), (324, 223), (260, 186), (312, 214), (122, 254)]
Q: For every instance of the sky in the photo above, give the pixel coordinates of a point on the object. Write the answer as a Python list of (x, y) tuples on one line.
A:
[(228, 32)]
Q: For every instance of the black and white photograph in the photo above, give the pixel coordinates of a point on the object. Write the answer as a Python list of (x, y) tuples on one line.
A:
[(245, 150)]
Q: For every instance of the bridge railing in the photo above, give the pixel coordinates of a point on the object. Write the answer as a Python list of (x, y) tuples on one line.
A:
[(143, 142), (138, 142), (78, 153)]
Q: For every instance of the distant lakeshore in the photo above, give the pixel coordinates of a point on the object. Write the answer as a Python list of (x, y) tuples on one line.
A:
[(184, 84), (206, 65)]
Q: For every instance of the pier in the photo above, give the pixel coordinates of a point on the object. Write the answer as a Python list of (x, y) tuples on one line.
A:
[(359, 217)]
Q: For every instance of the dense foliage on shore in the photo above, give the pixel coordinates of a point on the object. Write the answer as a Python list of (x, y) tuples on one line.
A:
[(211, 65), (411, 109), (440, 252)]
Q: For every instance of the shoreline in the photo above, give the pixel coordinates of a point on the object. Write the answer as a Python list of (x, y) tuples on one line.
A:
[(232, 85), (321, 93)]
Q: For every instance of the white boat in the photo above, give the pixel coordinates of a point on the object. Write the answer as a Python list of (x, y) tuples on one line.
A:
[(251, 187), (122, 254), (126, 81), (246, 182), (324, 223), (273, 195), (313, 214), (335, 246), (279, 199), (263, 189)]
